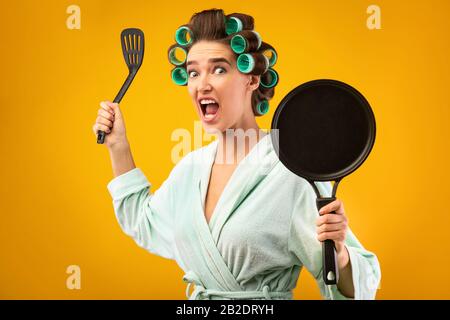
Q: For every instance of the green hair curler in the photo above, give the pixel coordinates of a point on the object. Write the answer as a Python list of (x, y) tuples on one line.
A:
[(239, 43), (273, 58), (180, 36), (179, 76), (233, 25), (272, 76), (267, 63), (245, 63), (262, 107), (173, 56), (259, 39)]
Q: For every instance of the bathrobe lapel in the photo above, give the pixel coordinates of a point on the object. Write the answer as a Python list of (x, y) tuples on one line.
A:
[(249, 172), (247, 175)]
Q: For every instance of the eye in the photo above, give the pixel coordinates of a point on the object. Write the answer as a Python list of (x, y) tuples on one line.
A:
[(217, 68), (190, 73)]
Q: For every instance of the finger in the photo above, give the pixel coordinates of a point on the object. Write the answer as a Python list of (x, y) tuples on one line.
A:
[(332, 206), (332, 235), (328, 227), (330, 218), (105, 106), (113, 105), (105, 114), (104, 121), (336, 206), (100, 127)]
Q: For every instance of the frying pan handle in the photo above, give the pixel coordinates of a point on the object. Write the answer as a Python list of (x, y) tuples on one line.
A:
[(330, 269), (101, 134)]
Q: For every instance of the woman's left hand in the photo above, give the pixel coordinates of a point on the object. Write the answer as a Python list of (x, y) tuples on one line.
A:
[(333, 226)]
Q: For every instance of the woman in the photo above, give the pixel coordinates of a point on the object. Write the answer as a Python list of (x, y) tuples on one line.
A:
[(234, 218)]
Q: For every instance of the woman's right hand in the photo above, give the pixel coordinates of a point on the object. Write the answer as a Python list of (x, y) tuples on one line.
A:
[(110, 120)]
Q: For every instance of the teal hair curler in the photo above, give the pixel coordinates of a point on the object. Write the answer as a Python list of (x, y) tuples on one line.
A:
[(180, 76), (259, 39), (273, 58), (173, 58), (233, 25), (245, 63), (181, 36), (272, 80), (267, 64), (239, 43), (262, 107)]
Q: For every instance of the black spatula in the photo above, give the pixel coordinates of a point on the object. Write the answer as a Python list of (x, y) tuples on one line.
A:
[(132, 41)]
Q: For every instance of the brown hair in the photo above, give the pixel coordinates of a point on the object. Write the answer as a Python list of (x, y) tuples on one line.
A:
[(211, 25)]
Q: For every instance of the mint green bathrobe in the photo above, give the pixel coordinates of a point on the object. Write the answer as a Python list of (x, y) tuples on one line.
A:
[(261, 234)]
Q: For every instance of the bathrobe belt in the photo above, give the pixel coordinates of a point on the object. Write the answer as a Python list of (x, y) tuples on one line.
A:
[(201, 293)]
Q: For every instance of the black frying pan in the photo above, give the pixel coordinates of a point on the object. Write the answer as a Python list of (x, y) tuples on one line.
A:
[(323, 130)]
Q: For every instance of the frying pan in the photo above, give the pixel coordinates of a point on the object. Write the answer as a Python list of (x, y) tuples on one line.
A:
[(323, 130)]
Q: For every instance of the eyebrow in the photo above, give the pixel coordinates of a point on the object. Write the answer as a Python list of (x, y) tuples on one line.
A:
[(210, 60)]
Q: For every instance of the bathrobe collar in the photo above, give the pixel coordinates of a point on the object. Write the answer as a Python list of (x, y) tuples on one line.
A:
[(248, 173)]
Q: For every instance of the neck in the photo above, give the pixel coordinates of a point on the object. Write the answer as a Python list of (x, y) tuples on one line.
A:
[(236, 142)]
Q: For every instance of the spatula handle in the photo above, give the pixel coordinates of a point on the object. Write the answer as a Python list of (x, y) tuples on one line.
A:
[(330, 269), (101, 134)]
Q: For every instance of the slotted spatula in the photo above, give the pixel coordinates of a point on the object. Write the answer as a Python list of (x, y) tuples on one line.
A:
[(132, 41)]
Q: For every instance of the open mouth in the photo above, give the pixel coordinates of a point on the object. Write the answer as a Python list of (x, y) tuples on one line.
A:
[(209, 107)]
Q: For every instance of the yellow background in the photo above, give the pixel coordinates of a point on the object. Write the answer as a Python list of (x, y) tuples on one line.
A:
[(56, 210)]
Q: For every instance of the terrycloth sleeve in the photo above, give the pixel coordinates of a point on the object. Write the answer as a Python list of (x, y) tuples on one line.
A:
[(146, 217), (305, 247)]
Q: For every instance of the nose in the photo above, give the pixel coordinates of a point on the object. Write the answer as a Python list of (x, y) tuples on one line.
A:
[(204, 84)]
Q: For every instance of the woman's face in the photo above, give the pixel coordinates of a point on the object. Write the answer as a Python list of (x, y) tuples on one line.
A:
[(212, 72)]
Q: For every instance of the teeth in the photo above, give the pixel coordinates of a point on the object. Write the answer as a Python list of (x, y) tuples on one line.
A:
[(207, 101)]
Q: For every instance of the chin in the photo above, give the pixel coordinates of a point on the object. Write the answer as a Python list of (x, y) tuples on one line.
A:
[(213, 128)]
